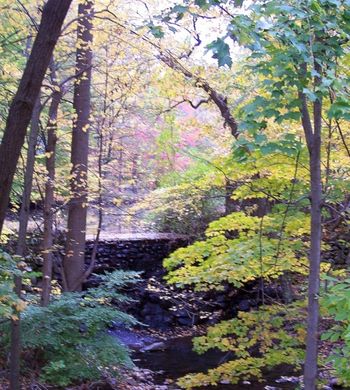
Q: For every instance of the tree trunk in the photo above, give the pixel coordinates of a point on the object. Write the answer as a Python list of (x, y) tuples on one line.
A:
[(313, 139), (310, 369), (231, 205), (21, 245), (28, 180), (49, 197), (15, 348), (120, 165), (22, 106), (77, 212)]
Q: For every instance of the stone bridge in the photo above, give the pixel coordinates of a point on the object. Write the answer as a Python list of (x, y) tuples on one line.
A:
[(155, 303), (138, 252)]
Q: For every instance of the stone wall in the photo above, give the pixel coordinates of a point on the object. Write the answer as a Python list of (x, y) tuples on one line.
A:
[(155, 302), (143, 253)]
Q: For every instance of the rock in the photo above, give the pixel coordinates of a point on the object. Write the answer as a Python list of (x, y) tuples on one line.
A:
[(221, 301), (132, 382), (155, 316), (245, 305), (184, 318), (135, 345), (334, 384), (158, 346), (159, 321), (131, 339), (288, 379), (151, 309), (153, 298), (185, 321), (101, 385)]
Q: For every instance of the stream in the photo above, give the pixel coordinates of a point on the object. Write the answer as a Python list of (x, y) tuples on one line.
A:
[(177, 359)]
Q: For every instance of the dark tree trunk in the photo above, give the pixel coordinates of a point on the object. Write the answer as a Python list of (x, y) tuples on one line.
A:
[(21, 245), (28, 180), (77, 212), (22, 106), (231, 205), (49, 197), (15, 348)]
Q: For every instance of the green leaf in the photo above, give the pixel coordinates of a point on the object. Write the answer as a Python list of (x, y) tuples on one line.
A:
[(316, 7), (202, 4), (289, 116), (206, 4), (180, 9), (221, 52), (340, 109), (260, 138), (156, 31), (310, 95)]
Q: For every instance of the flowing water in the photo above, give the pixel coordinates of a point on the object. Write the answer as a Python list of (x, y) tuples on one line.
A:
[(178, 359)]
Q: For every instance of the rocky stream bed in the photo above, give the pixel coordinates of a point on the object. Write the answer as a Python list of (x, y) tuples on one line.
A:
[(162, 348), (161, 361)]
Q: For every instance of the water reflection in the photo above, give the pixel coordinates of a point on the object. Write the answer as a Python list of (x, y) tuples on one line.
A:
[(178, 359)]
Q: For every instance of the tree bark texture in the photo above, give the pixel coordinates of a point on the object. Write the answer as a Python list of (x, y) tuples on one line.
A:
[(310, 369), (15, 349), (76, 229), (28, 179), (313, 140), (49, 197), (22, 106)]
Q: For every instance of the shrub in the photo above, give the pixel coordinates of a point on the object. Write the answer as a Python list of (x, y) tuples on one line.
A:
[(70, 338), (9, 302), (336, 304)]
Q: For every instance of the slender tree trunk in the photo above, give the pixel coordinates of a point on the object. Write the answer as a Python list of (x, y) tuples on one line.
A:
[(91, 267), (313, 139), (15, 348), (21, 245), (77, 212), (230, 204), (134, 173), (22, 106), (310, 369), (28, 180), (49, 197), (120, 164)]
